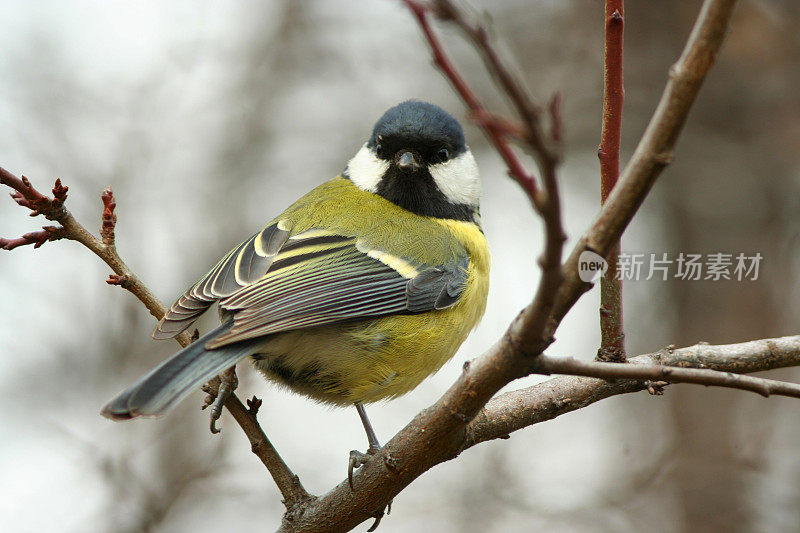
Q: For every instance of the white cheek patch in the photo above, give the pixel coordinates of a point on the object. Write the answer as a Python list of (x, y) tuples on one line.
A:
[(366, 169), (458, 179)]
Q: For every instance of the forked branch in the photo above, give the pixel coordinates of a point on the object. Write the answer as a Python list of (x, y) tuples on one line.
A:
[(518, 409)]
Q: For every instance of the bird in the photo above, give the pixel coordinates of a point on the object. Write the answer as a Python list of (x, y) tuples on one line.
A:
[(357, 292)]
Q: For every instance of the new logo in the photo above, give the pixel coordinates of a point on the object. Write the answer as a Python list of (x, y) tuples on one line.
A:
[(591, 266)]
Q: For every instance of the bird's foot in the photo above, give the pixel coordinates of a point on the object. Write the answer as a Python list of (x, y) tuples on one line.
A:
[(226, 384), (358, 459)]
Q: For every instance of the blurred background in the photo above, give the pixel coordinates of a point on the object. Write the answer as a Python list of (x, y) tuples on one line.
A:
[(209, 118)]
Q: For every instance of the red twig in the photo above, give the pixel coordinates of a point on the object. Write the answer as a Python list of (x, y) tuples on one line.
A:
[(612, 344), (27, 196), (496, 132), (36, 238), (109, 217), (543, 148), (613, 96)]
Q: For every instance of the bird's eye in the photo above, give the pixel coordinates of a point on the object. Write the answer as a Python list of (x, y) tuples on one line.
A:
[(442, 155), (379, 150)]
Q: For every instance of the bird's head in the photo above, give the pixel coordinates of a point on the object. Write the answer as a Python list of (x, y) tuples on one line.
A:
[(417, 158)]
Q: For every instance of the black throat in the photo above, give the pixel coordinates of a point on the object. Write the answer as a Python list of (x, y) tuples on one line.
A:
[(417, 192)]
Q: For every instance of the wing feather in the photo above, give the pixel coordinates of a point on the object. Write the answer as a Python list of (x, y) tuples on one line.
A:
[(241, 266), (275, 282)]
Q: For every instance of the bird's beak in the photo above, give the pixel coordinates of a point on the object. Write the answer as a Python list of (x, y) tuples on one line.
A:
[(408, 162)]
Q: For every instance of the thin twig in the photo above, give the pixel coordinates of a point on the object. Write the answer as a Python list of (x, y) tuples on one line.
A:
[(711, 378), (547, 150), (53, 208), (518, 409), (36, 238), (612, 341)]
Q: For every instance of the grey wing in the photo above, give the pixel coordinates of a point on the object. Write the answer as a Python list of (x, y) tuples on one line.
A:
[(242, 266), (348, 282), (437, 287)]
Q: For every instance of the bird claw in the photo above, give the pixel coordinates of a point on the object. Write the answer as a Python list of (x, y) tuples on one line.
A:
[(378, 517), (357, 460), (228, 383)]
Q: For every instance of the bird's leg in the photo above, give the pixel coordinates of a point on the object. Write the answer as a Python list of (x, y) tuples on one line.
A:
[(228, 381), (358, 458), (374, 445)]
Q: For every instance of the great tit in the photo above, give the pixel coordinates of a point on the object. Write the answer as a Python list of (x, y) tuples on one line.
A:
[(361, 289)]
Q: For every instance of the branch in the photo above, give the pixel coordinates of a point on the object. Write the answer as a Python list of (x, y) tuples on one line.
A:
[(422, 443), (612, 343), (518, 409), (53, 209)]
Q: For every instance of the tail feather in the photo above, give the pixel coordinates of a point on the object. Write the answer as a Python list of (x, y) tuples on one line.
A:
[(177, 377)]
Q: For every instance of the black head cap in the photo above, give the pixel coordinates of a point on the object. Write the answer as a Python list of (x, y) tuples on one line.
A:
[(422, 122)]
